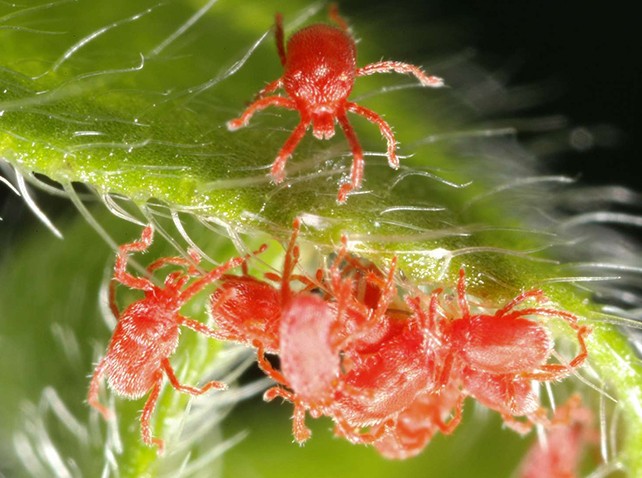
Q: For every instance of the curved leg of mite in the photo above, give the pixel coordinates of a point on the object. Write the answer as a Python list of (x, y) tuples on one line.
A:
[(536, 294), (384, 128), (94, 390), (355, 265), (278, 37), (258, 105), (387, 295), (581, 357), (443, 375), (278, 166), (266, 366), (212, 276), (404, 69), (173, 261), (333, 14), (289, 262), (430, 322), (300, 431), (356, 173), (342, 287), (268, 89), (120, 268), (336, 267), (538, 417), (448, 427), (148, 410), (309, 284), (572, 319), (521, 427), (461, 295), (549, 373), (201, 328), (356, 436), (171, 375), (345, 301), (175, 281)]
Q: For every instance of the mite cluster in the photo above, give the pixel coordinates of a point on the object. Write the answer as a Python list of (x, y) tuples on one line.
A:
[(390, 368)]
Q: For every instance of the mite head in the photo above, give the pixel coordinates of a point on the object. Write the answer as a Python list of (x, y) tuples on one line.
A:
[(323, 123)]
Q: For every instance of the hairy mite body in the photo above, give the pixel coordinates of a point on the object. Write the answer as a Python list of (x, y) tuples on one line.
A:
[(320, 68), (147, 332)]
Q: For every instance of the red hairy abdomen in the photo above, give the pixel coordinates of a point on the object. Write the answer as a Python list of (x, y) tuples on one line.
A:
[(140, 341), (247, 309)]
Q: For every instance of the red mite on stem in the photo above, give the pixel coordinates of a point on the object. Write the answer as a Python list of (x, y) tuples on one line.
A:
[(248, 310), (320, 68), (497, 356), (148, 330)]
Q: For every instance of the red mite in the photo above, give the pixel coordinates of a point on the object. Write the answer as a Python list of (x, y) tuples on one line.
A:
[(320, 69), (560, 454), (430, 412), (497, 356), (147, 333), (249, 311)]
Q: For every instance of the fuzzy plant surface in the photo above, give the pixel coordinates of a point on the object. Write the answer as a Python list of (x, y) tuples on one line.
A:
[(121, 107)]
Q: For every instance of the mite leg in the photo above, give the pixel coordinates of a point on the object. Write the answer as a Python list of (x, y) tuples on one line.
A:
[(201, 328), (384, 128), (169, 371), (356, 173), (120, 268), (150, 405), (94, 388), (278, 166), (269, 88), (461, 294), (175, 261), (521, 427), (355, 435), (448, 427), (333, 13), (290, 261), (403, 68), (387, 294), (214, 275), (259, 105), (266, 366), (300, 431), (536, 294)]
